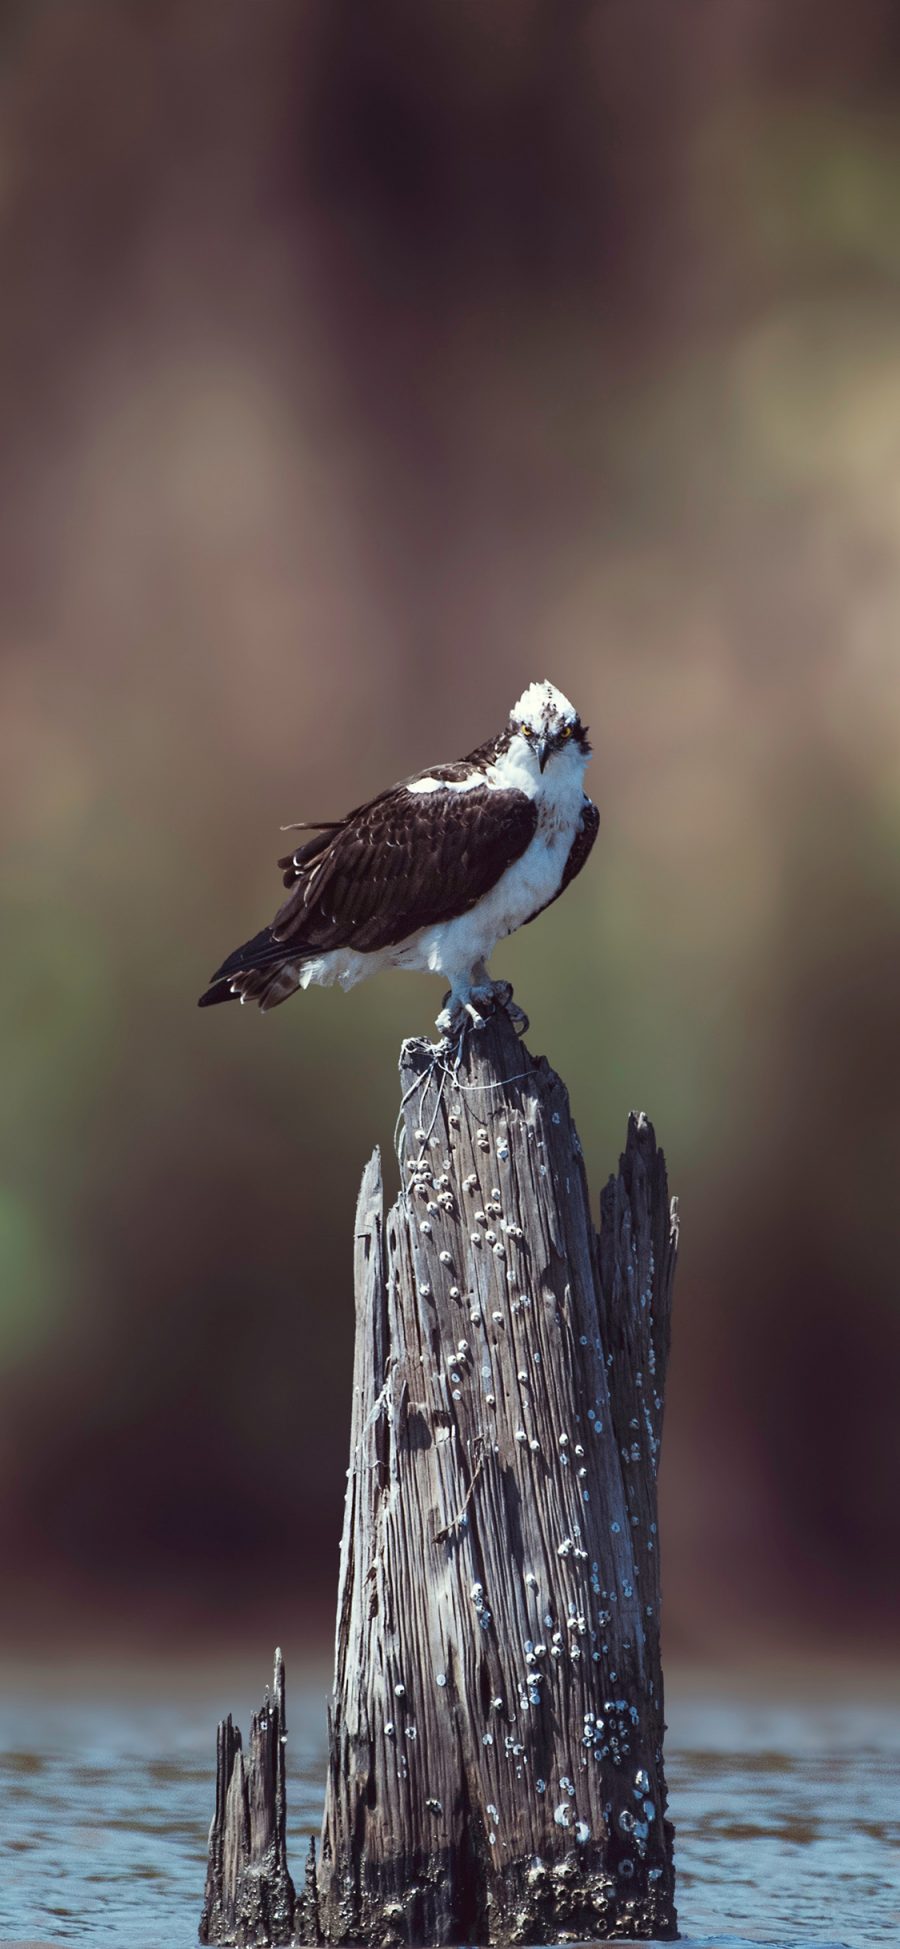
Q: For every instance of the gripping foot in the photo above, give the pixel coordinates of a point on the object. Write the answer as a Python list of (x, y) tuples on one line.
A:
[(503, 998), (473, 1008)]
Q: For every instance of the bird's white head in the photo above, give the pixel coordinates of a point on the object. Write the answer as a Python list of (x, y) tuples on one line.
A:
[(546, 726)]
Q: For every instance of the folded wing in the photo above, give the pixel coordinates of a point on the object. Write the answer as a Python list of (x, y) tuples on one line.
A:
[(405, 861)]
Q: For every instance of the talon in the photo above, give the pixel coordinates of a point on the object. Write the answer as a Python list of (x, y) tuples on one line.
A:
[(516, 1014), (475, 1008)]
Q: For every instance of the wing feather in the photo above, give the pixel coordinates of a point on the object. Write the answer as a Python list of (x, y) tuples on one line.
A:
[(405, 861)]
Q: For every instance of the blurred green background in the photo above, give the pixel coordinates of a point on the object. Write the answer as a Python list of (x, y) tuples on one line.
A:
[(358, 366)]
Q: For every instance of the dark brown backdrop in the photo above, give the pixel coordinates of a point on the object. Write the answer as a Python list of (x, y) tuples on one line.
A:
[(359, 365)]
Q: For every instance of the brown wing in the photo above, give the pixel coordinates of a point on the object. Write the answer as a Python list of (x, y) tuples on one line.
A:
[(405, 861)]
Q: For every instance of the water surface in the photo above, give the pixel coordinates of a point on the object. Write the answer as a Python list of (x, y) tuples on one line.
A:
[(786, 1815)]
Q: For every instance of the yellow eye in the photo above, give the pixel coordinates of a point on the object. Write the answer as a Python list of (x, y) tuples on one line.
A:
[(526, 730), (566, 731)]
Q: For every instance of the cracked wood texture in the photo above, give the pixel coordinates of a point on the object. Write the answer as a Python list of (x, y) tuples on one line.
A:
[(249, 1896), (496, 1756)]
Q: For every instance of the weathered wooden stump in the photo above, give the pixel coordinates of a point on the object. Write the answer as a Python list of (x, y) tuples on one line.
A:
[(496, 1761), (249, 1895), (496, 1730)]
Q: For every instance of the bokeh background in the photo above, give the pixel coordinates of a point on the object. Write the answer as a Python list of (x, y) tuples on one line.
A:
[(359, 365)]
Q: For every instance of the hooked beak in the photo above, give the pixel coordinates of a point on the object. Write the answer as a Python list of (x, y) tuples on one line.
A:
[(543, 751)]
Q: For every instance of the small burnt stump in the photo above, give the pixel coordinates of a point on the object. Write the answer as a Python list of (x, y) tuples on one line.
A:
[(249, 1896)]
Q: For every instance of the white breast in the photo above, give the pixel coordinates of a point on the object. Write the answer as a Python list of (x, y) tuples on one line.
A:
[(456, 945)]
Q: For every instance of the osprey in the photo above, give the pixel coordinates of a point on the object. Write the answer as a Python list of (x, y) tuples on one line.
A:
[(432, 873)]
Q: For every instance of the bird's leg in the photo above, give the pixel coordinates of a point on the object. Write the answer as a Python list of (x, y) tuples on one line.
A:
[(497, 994), (470, 1004), (482, 990), (458, 1014)]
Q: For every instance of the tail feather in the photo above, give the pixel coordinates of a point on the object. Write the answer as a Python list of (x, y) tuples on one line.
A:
[(258, 953), (218, 991), (263, 970)]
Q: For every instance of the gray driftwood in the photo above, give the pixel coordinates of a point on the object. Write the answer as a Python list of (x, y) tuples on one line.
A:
[(496, 1757), (249, 1893)]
